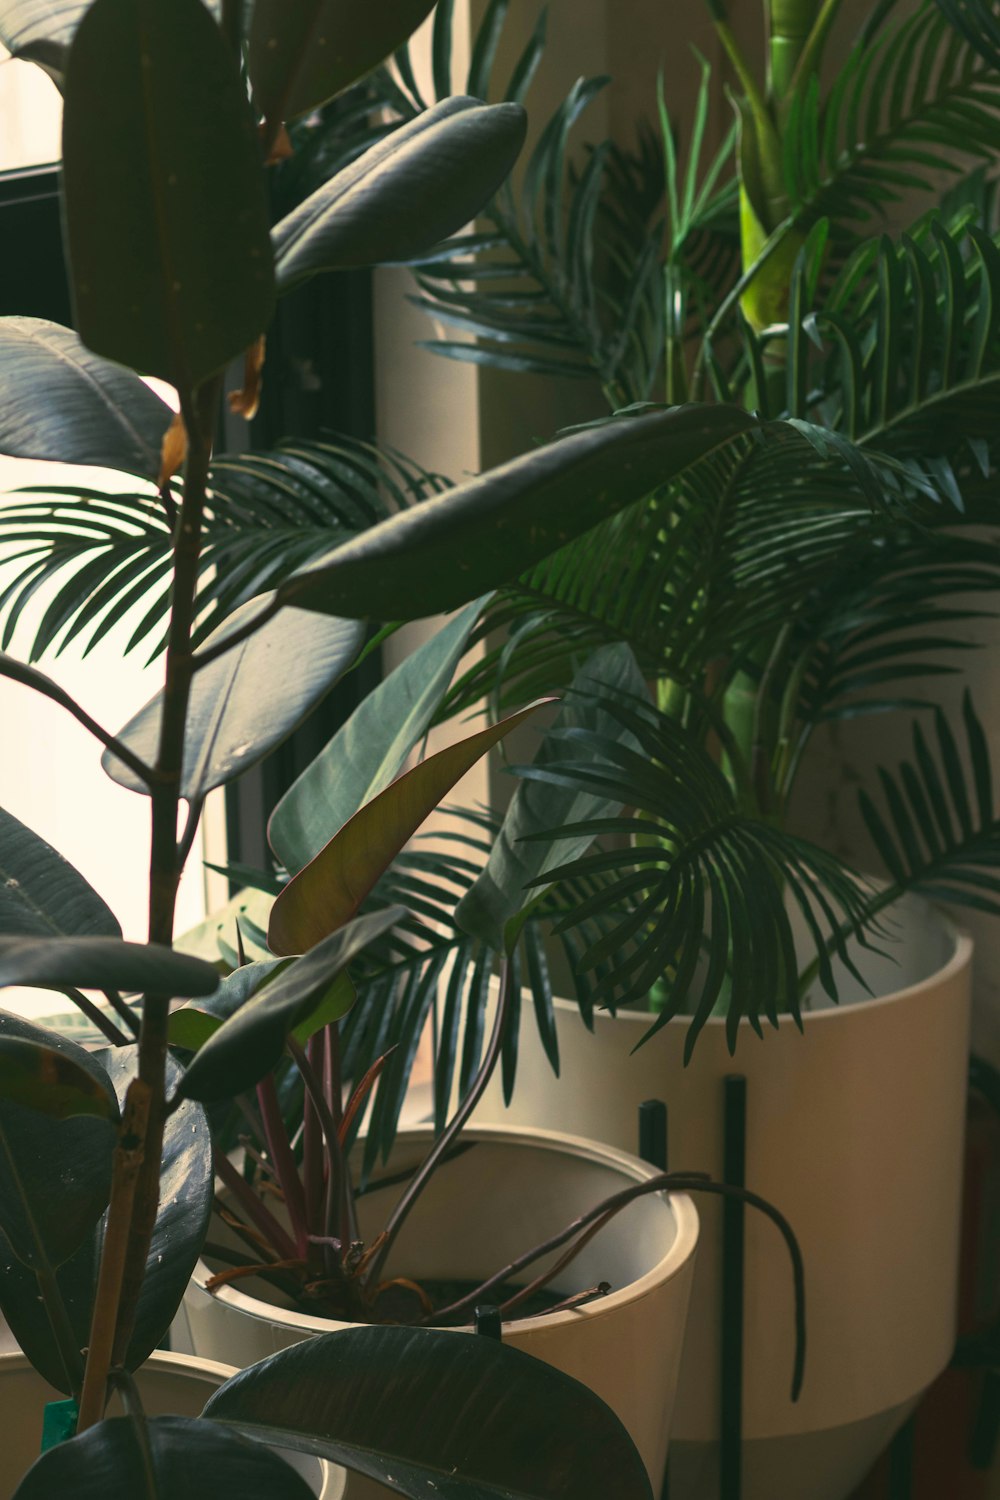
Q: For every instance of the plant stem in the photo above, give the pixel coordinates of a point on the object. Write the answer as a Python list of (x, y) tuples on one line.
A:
[(773, 242), (245, 1196), (284, 1162), (132, 1021), (666, 1182), (312, 1139), (444, 1141), (199, 409), (128, 1159), (809, 59), (338, 1193), (103, 1023)]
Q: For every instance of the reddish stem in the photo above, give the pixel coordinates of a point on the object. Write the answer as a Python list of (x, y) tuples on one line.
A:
[(285, 1166)]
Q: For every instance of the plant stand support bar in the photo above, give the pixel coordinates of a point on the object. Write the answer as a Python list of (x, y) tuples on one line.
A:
[(733, 1213), (653, 1149)]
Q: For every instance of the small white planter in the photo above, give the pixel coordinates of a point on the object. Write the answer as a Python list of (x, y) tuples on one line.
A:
[(855, 1132), (170, 1385), (484, 1207)]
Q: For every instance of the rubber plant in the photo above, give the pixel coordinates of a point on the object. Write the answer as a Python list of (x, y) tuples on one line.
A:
[(105, 1173)]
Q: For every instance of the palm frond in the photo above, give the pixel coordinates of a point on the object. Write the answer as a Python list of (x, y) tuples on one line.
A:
[(979, 23), (428, 958), (98, 556), (903, 355), (700, 881), (917, 99), (937, 830)]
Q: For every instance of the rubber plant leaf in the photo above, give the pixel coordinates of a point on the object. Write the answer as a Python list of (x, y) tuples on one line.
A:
[(97, 963), (418, 185), (434, 1413), (182, 1217), (501, 892), (55, 1162), (41, 893), (371, 748), (473, 538), (329, 890), (247, 700), (191, 1025), (250, 1043), (164, 201), (167, 1458), (300, 55), (59, 400), (40, 1077)]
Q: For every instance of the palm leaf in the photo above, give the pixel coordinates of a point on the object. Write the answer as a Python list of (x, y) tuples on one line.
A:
[(979, 23), (697, 875), (99, 556), (937, 830), (905, 103)]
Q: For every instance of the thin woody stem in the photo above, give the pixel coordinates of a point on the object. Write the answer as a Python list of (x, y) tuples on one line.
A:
[(283, 1162), (447, 1137), (128, 1160), (243, 1193), (199, 409), (670, 1182)]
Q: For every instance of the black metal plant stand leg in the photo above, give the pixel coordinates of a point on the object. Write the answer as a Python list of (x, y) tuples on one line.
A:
[(653, 1149), (733, 1250)]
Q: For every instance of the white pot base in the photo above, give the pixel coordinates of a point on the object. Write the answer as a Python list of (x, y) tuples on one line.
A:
[(824, 1465), (855, 1131)]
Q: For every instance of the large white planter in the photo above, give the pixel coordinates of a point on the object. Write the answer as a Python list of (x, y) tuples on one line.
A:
[(170, 1385), (855, 1132), (513, 1190)]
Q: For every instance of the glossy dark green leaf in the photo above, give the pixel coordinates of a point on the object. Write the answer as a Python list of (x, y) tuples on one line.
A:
[(192, 1025), (434, 1414), (164, 199), (418, 185), (41, 894), (371, 748), (96, 963), (55, 1174), (250, 1043), (43, 1078), (187, 1185), (186, 1459), (186, 1192), (502, 890), (302, 54), (249, 699), (437, 555), (330, 889), (58, 400)]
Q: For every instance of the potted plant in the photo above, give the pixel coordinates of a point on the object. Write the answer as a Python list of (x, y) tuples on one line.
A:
[(769, 590), (105, 1171), (473, 533)]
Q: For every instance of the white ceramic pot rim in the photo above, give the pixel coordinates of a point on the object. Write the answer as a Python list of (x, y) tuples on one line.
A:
[(831, 1013), (161, 1362), (684, 1213)]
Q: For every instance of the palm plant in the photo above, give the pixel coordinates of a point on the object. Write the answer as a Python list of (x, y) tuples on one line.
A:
[(773, 587), (806, 560), (824, 563)]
